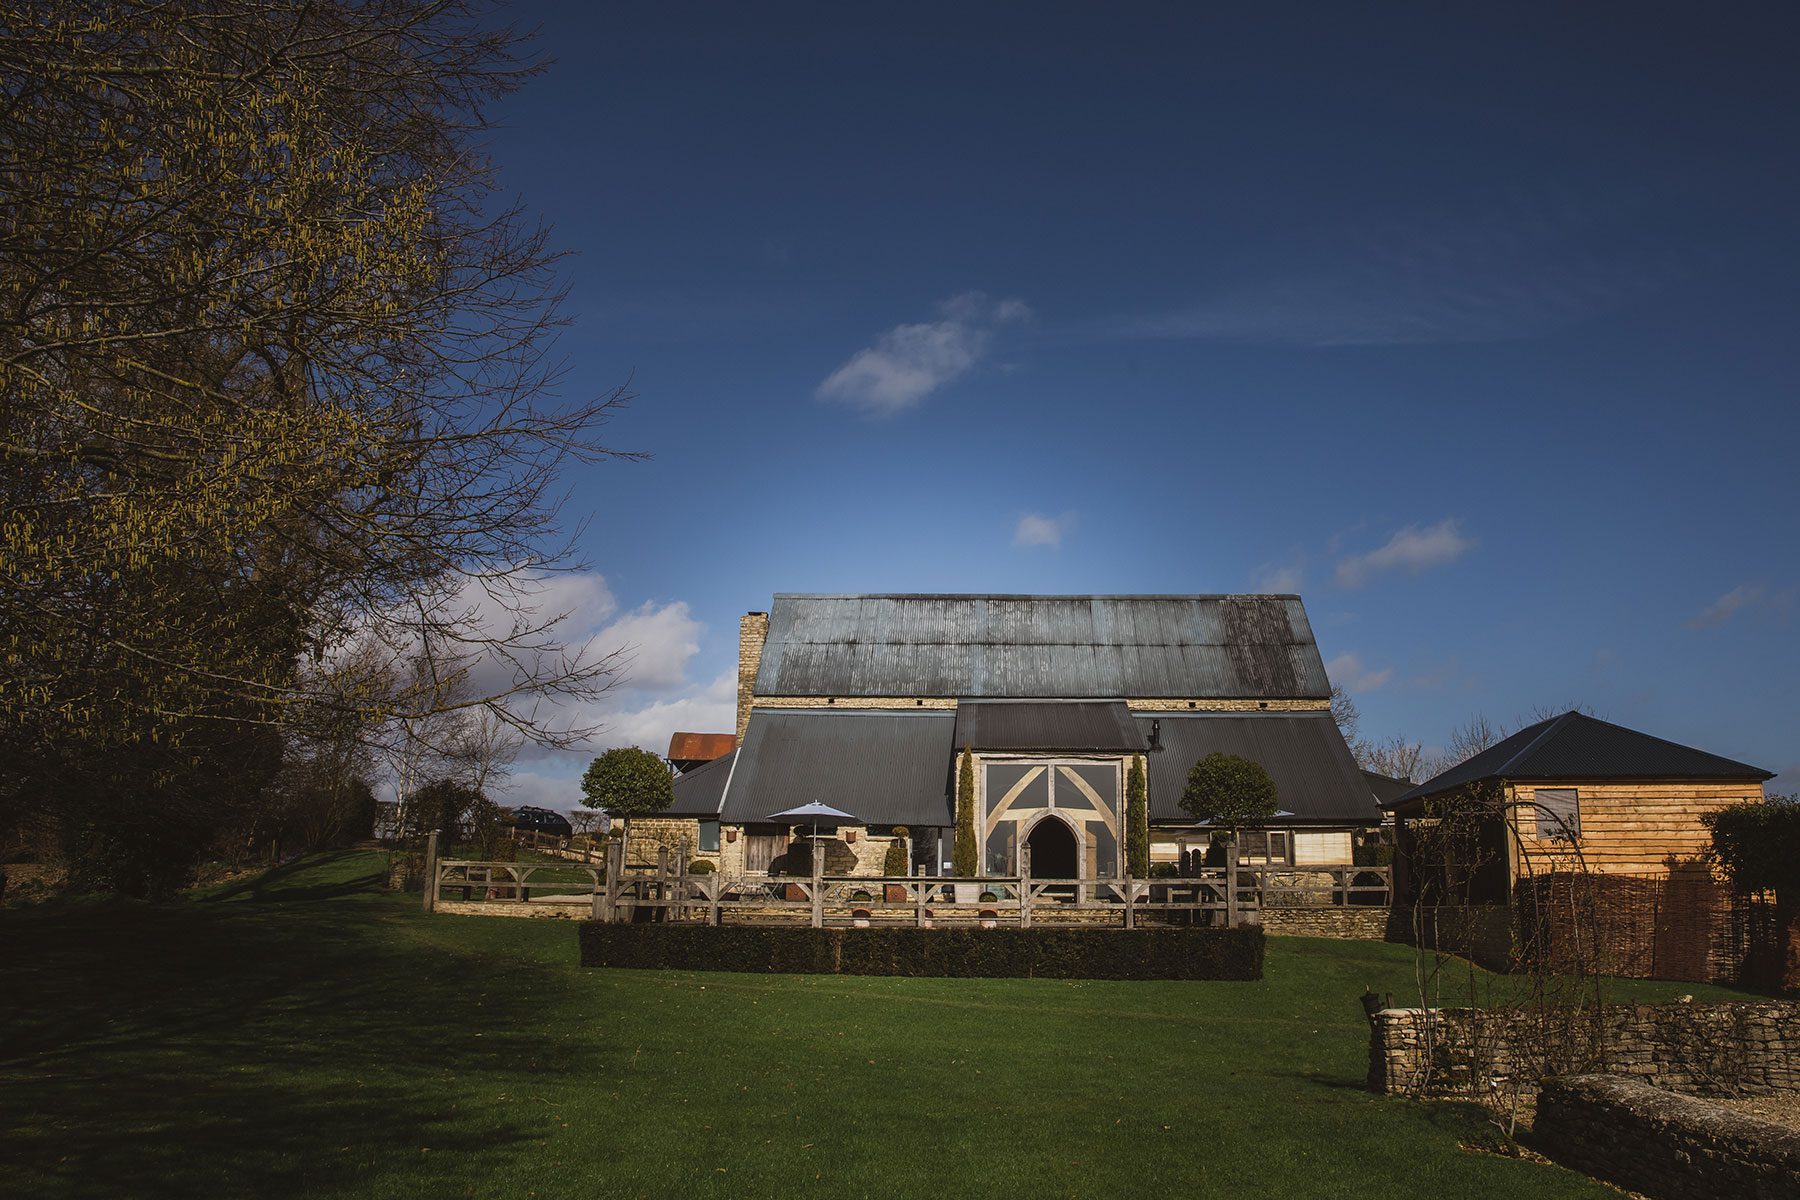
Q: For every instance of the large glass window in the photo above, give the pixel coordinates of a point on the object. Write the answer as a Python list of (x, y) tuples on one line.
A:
[(709, 837)]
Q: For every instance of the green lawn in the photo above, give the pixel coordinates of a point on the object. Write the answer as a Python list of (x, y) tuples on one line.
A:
[(309, 1035)]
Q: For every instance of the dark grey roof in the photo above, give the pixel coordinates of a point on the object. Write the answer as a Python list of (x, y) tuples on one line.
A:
[(1575, 747), (1385, 787), (699, 790), (1047, 725), (887, 767), (1316, 778), (1041, 647)]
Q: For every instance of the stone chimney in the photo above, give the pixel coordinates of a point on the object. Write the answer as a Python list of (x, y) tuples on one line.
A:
[(753, 630)]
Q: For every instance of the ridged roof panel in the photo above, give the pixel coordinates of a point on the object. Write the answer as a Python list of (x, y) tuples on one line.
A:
[(1041, 647)]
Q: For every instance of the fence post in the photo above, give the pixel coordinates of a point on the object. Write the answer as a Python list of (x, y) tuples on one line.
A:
[(919, 890), (715, 884), (681, 881), (1024, 887), (1231, 891), (818, 886), (615, 867), (1130, 896), (431, 871)]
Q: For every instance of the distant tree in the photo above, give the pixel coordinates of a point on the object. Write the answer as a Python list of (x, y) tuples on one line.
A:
[(449, 808), (1757, 846), (1396, 758), (966, 860), (1137, 821), (1465, 742), (1229, 791), (1346, 714), (628, 782)]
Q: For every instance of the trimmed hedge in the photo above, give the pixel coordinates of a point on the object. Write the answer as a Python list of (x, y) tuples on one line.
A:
[(1042, 953)]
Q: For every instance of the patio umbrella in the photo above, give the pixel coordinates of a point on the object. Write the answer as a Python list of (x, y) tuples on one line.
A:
[(815, 814)]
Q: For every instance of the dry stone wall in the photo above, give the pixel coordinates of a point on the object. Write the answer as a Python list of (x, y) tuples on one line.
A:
[(1664, 1145), (1699, 1049), (1369, 923)]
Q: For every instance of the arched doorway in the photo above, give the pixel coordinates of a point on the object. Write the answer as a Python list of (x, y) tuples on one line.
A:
[(1053, 851)]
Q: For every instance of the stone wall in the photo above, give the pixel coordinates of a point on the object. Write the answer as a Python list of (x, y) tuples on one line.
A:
[(1362, 922), (1664, 1145), (1701, 1049), (650, 835)]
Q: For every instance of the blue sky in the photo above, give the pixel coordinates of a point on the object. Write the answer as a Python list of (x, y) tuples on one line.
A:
[(1474, 328)]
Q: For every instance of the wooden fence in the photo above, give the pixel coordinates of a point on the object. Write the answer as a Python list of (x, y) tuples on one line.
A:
[(670, 891)]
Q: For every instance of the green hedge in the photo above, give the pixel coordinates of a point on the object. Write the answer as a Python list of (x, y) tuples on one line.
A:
[(1045, 953)]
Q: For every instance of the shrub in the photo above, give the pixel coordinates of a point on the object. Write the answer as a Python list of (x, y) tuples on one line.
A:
[(966, 857), (894, 862), (1165, 871), (1137, 821), (1043, 953), (701, 866)]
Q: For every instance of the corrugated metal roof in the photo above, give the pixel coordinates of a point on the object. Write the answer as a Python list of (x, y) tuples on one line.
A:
[(700, 747), (1041, 647), (889, 768), (698, 792), (1385, 787), (1051, 725), (1316, 777), (1578, 747)]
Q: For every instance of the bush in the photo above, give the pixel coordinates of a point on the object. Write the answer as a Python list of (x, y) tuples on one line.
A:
[(1165, 871), (894, 862), (1041, 953), (701, 866)]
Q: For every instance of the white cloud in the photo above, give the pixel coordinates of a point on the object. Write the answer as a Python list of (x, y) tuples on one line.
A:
[(1412, 549), (1744, 596), (658, 641), (1348, 671), (711, 708), (1035, 529), (1276, 578), (909, 362)]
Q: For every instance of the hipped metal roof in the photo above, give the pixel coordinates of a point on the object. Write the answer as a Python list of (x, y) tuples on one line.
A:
[(1054, 725), (697, 792), (1316, 777), (887, 767), (1576, 747), (1041, 647)]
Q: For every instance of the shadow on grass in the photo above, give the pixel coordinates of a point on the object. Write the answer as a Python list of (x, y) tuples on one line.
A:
[(257, 1049), (315, 877)]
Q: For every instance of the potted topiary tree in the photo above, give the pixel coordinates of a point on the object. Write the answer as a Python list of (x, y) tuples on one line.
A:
[(894, 864)]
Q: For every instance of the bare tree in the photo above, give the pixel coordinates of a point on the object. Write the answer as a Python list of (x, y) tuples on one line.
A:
[(1347, 715), (1396, 758)]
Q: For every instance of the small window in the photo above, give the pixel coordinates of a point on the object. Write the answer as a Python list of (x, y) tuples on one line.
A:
[(1558, 814), (709, 837)]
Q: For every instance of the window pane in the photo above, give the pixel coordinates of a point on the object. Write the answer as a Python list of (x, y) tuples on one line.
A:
[(1558, 813), (709, 836)]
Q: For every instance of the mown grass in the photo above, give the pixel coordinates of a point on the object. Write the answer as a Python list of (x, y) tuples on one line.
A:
[(305, 1034)]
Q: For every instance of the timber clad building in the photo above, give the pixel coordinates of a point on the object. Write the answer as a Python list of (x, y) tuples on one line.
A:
[(865, 703)]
